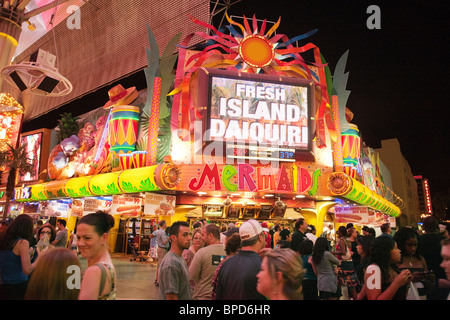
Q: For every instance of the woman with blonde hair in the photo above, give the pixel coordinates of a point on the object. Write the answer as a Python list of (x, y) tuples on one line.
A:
[(197, 243), (281, 275), (55, 277)]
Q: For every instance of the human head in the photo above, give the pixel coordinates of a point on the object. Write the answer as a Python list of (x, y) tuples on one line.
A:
[(342, 232), (306, 247), (284, 244), (61, 224), (50, 278), (364, 245), (252, 234), (384, 252), (92, 233), (320, 246), (179, 235), (407, 241), (20, 227), (386, 228), (233, 243), (100, 220), (312, 229), (285, 234), (445, 253), (371, 231), (349, 225), (52, 221), (231, 231), (197, 239), (430, 224), (301, 225), (365, 231), (4, 224), (281, 269), (210, 234), (351, 233), (162, 224), (197, 224), (47, 229)]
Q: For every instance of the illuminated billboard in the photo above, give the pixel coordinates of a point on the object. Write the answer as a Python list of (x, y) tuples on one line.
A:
[(33, 149), (271, 112)]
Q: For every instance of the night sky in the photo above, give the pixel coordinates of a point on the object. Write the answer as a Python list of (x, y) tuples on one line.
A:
[(398, 75)]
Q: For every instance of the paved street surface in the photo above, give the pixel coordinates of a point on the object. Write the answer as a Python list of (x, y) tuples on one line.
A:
[(135, 280)]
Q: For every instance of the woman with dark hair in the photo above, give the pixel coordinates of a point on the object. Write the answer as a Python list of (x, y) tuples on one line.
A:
[(99, 278), (309, 280), (49, 232), (363, 246), (381, 280), (407, 241), (232, 246), (346, 271), (15, 263), (324, 263)]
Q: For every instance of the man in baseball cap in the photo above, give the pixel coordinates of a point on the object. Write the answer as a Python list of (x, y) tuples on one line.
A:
[(237, 276)]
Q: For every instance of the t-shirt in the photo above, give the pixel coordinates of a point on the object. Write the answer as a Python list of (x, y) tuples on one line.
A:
[(326, 276), (309, 271), (237, 277), (61, 236), (174, 277), (202, 269), (297, 238), (161, 236)]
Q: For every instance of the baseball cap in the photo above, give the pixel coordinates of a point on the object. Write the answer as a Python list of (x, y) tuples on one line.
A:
[(250, 229), (230, 231)]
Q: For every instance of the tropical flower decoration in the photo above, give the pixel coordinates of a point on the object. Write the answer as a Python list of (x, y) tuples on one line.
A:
[(251, 50)]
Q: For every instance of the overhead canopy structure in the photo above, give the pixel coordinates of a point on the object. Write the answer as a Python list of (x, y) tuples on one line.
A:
[(109, 45)]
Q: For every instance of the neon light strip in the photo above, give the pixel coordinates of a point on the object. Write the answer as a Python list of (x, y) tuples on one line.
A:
[(261, 158)]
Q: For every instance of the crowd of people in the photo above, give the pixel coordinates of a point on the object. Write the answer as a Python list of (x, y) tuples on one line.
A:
[(249, 262), (242, 264), (37, 263)]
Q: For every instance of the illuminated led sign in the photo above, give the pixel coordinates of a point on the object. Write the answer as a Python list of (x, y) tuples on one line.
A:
[(33, 143), (257, 110), (245, 177)]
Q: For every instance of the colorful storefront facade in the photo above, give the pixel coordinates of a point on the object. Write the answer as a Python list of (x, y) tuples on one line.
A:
[(243, 128)]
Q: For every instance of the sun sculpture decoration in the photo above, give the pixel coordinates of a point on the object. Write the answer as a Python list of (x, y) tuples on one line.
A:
[(252, 49)]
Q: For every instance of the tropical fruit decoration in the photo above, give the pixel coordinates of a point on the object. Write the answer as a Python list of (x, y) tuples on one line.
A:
[(68, 126)]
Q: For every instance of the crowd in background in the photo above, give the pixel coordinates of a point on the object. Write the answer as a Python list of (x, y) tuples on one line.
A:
[(252, 262), (203, 261)]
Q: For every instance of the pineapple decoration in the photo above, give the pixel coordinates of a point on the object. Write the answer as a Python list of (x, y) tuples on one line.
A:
[(68, 126), (67, 145)]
